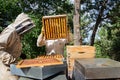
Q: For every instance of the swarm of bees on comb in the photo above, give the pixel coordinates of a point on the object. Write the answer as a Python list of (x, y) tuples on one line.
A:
[(56, 56), (44, 60)]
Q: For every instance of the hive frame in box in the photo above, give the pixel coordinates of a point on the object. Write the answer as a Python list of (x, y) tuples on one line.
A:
[(37, 72), (39, 68), (38, 62), (55, 27)]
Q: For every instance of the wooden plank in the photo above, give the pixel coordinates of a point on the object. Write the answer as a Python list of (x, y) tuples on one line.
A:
[(56, 29), (62, 25), (64, 28), (54, 16), (70, 64), (50, 28), (60, 29)]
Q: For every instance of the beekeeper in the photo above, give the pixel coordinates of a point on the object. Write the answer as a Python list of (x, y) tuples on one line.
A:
[(10, 44), (53, 46)]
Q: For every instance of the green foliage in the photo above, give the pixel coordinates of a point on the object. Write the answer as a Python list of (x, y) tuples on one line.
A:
[(109, 46), (8, 10), (103, 44), (85, 21), (30, 39), (1, 29), (109, 43)]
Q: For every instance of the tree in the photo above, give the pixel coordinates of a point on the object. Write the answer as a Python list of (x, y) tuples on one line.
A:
[(98, 11), (98, 21), (109, 41), (76, 23), (9, 9)]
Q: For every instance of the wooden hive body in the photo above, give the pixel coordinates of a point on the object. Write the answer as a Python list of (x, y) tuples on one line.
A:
[(55, 27), (74, 52)]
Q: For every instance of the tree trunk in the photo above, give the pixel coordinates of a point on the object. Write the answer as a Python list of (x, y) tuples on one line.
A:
[(98, 21), (76, 23)]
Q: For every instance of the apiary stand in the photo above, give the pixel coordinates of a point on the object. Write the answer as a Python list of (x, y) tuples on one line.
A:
[(96, 68), (37, 72)]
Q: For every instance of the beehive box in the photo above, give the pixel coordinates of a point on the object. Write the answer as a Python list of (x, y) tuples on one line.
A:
[(37, 73), (74, 52), (96, 69), (39, 68), (55, 27)]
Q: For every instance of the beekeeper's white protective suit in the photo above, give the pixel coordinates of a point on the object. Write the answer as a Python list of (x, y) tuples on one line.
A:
[(53, 46), (10, 44)]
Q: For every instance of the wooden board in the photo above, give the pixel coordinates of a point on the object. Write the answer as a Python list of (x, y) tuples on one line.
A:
[(38, 62), (55, 27), (74, 52)]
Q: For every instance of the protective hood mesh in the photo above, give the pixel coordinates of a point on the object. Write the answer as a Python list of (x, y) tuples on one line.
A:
[(22, 23)]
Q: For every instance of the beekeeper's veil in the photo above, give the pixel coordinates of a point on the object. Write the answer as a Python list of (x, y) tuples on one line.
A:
[(22, 23)]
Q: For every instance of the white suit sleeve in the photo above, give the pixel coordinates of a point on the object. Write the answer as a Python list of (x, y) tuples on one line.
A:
[(41, 40), (5, 56)]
